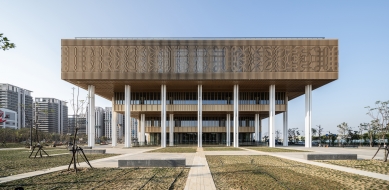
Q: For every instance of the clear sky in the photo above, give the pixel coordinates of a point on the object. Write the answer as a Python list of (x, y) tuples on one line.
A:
[(362, 27)]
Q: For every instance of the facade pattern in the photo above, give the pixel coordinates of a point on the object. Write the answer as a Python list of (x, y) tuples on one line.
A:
[(200, 59)]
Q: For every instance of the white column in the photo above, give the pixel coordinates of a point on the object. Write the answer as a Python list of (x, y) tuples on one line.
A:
[(163, 116), (91, 112), (171, 129), (114, 124), (236, 115), (285, 128), (308, 114), (127, 116), (228, 130), (257, 124), (260, 129), (272, 106), (200, 116), (142, 129)]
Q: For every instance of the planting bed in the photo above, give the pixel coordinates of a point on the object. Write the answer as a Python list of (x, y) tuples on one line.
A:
[(267, 172), (270, 149), (377, 166), (175, 150), (16, 161), (221, 149), (106, 178)]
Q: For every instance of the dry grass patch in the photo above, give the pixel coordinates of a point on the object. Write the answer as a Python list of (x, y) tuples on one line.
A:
[(270, 149), (377, 166), (175, 150), (16, 161), (267, 172), (221, 149), (106, 178)]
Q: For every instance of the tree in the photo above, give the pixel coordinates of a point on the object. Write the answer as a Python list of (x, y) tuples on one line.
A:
[(380, 116), (293, 133), (314, 131), (319, 131), (343, 130), (371, 131), (5, 44), (361, 129), (278, 134)]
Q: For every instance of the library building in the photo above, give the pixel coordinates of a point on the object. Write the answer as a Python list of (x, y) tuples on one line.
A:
[(199, 91)]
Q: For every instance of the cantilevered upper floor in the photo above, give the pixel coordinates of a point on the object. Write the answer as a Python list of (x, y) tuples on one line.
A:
[(182, 63)]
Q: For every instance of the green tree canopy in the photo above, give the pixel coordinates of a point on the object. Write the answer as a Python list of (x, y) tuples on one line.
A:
[(5, 44)]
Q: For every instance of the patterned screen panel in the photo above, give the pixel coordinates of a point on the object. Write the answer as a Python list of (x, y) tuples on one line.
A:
[(198, 59)]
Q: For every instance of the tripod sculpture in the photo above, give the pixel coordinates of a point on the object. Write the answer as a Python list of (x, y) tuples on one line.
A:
[(37, 145), (76, 151)]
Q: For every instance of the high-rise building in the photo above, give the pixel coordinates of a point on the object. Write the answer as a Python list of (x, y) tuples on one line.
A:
[(8, 118), (121, 125), (99, 121), (51, 115), (19, 100), (74, 121)]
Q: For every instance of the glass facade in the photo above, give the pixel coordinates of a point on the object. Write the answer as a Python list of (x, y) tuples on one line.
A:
[(192, 122), (208, 138), (209, 98)]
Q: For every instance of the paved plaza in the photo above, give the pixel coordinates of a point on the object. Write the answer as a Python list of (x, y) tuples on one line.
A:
[(200, 176)]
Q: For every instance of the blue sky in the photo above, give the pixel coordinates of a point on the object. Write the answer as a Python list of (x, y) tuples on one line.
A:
[(362, 27)]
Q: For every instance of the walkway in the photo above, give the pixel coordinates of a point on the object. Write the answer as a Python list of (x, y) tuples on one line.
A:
[(199, 177), (292, 156)]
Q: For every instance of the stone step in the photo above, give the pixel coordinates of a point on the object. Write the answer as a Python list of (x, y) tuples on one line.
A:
[(330, 156), (172, 162)]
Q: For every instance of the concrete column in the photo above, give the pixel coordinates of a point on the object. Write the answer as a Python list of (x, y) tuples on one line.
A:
[(260, 129), (142, 129), (114, 125), (200, 116), (163, 116), (308, 114), (91, 112), (228, 130), (127, 116), (120, 127), (171, 129), (257, 124), (272, 106), (236, 116), (285, 127)]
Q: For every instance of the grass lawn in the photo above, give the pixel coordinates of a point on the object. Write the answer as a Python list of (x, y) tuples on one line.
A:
[(221, 149), (175, 150), (270, 149), (12, 145), (16, 161), (377, 166), (106, 178), (267, 172)]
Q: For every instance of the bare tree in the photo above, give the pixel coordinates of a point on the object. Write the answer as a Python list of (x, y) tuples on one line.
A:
[(380, 116), (319, 131), (343, 130), (361, 128), (78, 107), (278, 134), (293, 133)]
